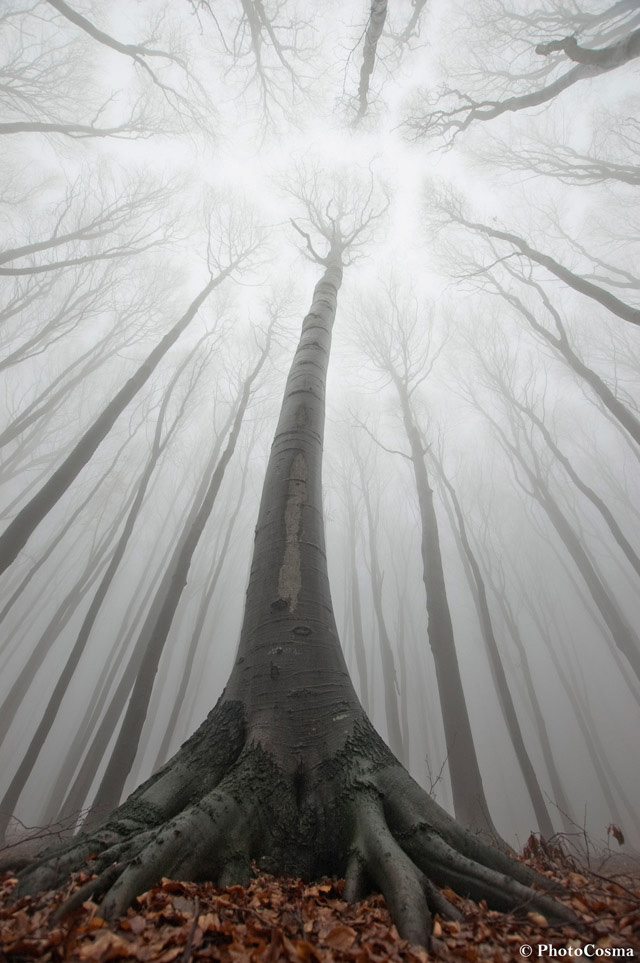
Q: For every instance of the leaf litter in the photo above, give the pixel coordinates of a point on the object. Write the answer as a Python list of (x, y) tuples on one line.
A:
[(283, 919)]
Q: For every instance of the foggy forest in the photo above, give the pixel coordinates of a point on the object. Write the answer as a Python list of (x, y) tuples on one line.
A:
[(181, 185)]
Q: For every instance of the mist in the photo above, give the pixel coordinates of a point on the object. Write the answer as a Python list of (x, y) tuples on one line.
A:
[(171, 178)]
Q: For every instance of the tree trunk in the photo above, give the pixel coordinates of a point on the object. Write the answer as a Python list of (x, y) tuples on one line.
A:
[(126, 747), (287, 769), (203, 611), (469, 800), (389, 677), (622, 415), (509, 713), (356, 607), (18, 532)]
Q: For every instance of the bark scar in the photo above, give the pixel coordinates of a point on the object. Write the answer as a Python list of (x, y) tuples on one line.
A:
[(290, 575)]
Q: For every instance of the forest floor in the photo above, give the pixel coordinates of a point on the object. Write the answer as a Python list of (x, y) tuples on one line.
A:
[(287, 920)]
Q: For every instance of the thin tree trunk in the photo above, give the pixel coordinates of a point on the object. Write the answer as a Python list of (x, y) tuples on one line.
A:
[(356, 607), (613, 304), (203, 609), (560, 343), (389, 677), (126, 746), (52, 708), (509, 713), (606, 776), (18, 532), (76, 775), (469, 801), (559, 794), (622, 633), (375, 26)]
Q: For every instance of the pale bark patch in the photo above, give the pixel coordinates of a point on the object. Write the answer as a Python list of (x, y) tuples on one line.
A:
[(290, 576)]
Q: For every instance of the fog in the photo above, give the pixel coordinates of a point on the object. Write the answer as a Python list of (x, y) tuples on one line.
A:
[(160, 159)]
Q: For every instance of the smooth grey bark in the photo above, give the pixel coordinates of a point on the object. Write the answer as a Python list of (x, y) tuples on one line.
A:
[(401, 642), (507, 706), (607, 58), (286, 768), (373, 32), (18, 532)]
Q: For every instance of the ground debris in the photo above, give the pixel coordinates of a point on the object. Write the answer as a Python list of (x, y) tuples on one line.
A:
[(280, 919)]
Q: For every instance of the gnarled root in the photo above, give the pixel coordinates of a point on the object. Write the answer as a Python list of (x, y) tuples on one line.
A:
[(404, 843), (357, 813)]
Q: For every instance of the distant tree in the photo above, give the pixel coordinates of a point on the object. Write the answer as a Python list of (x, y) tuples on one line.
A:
[(162, 437), (507, 705), (238, 250), (532, 477), (392, 694), (155, 630)]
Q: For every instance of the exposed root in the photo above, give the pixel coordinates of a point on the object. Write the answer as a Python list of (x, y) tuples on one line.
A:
[(359, 814)]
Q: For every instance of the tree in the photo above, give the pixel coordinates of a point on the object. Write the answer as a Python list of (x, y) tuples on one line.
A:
[(17, 533), (156, 628), (495, 661), (572, 62), (389, 676), (394, 338), (525, 457), (162, 437), (287, 768), (580, 284), (373, 32)]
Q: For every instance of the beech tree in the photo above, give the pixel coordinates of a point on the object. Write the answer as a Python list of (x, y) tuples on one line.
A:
[(611, 40), (129, 517), (398, 341), (238, 251), (287, 768)]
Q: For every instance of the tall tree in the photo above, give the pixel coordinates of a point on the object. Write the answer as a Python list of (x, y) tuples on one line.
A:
[(611, 40), (287, 767), (394, 338)]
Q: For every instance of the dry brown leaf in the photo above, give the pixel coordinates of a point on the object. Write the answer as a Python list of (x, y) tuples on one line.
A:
[(341, 937)]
